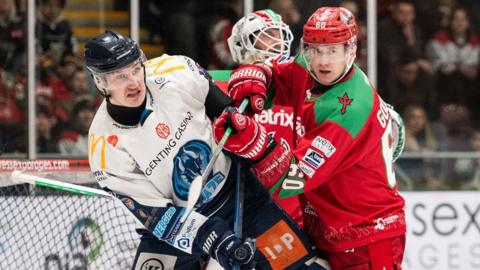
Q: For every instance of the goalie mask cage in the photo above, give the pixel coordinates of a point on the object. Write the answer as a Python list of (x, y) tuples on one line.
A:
[(44, 228)]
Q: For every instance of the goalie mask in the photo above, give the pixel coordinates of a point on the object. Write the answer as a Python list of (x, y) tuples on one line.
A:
[(260, 36), (115, 62), (329, 44)]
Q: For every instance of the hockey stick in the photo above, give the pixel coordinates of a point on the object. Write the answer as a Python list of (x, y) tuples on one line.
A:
[(239, 194), (197, 184), (21, 178)]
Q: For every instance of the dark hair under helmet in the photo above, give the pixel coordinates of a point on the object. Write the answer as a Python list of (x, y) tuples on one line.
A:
[(110, 51)]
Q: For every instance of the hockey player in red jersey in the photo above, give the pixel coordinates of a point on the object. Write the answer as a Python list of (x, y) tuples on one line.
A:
[(343, 166), (262, 37)]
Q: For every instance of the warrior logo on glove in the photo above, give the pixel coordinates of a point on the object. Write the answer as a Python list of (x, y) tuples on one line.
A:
[(250, 81)]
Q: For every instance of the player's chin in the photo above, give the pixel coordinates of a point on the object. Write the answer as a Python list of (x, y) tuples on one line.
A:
[(324, 78)]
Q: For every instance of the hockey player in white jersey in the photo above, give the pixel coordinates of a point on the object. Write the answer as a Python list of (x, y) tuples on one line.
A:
[(151, 137)]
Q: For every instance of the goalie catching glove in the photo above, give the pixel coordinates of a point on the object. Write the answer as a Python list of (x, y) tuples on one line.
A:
[(216, 240), (252, 81)]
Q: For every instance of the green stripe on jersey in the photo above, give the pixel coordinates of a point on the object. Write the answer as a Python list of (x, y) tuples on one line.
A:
[(220, 75), (355, 95), (301, 61)]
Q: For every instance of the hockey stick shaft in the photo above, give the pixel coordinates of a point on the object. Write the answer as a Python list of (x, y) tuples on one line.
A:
[(19, 177), (197, 184), (221, 143), (22, 178), (239, 194)]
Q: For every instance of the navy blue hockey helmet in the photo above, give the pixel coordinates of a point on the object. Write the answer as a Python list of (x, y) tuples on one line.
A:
[(110, 51)]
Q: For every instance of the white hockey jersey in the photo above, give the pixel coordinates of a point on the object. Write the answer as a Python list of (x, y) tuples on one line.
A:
[(154, 162)]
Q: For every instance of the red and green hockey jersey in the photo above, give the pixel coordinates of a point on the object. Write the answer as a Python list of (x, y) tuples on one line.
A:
[(279, 122), (344, 160)]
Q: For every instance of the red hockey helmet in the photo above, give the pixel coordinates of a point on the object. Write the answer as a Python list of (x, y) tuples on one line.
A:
[(330, 25)]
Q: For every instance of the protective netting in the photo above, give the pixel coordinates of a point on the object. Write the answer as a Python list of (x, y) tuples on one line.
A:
[(43, 228)]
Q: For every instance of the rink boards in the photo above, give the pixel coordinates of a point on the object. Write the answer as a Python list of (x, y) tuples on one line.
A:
[(443, 232)]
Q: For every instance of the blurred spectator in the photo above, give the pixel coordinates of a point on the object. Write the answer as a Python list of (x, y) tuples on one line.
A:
[(74, 139), (435, 15), (171, 23), (467, 170), (220, 30), (397, 34), (411, 85), (47, 137), (12, 114), (77, 85), (455, 56), (51, 93), (12, 91), (474, 7), (422, 136), (445, 9), (53, 30), (291, 16), (12, 38), (456, 117), (361, 58), (308, 7), (68, 65)]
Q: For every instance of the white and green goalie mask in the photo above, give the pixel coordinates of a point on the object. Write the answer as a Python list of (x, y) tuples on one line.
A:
[(260, 36)]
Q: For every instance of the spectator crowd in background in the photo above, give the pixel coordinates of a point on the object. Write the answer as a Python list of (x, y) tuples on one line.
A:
[(428, 60)]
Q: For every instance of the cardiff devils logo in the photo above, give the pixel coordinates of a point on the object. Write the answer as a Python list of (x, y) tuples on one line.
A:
[(345, 101)]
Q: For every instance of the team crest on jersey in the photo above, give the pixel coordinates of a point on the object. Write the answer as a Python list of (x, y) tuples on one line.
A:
[(163, 130), (345, 101), (190, 161)]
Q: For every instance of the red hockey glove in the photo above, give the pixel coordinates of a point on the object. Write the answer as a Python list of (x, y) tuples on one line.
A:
[(273, 167), (250, 81), (248, 139)]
